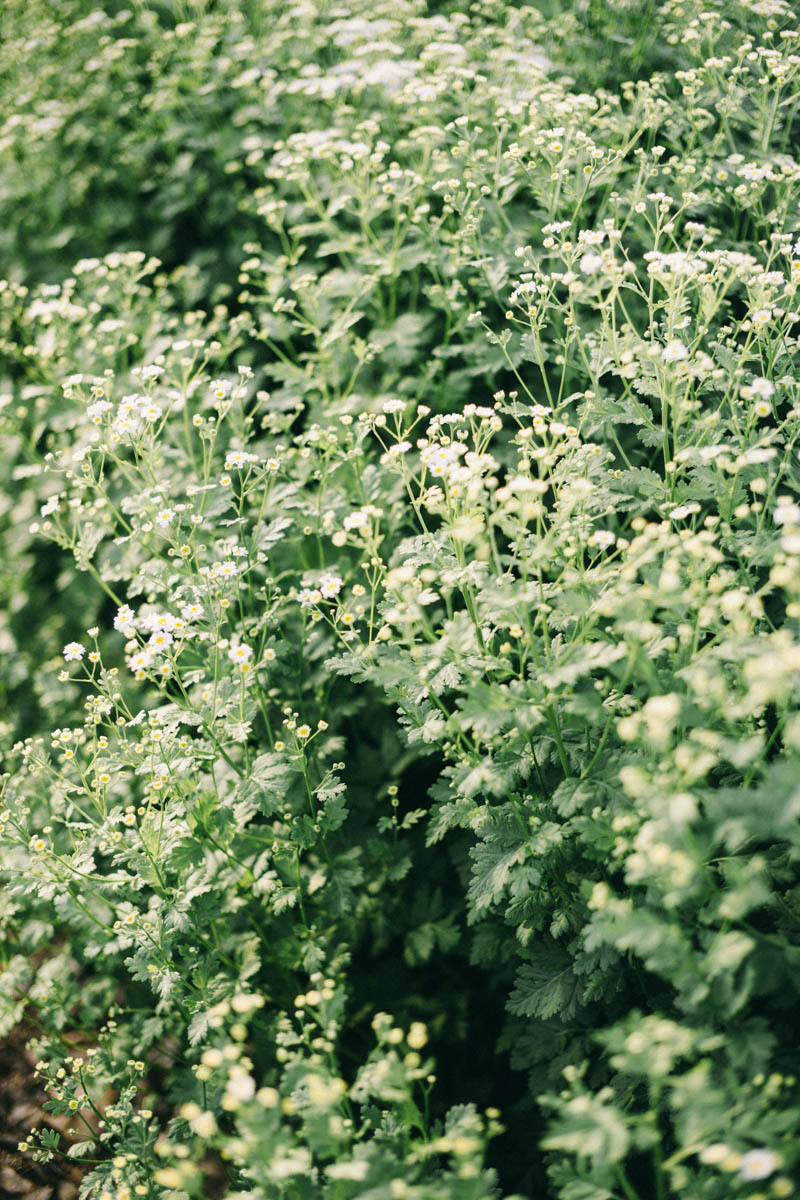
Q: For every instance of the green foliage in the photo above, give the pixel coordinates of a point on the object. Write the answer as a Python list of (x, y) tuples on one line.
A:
[(401, 577)]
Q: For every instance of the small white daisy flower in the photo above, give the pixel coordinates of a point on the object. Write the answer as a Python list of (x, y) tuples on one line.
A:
[(674, 351), (240, 653), (758, 1164), (330, 586)]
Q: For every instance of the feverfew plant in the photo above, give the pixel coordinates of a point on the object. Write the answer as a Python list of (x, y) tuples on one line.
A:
[(424, 578)]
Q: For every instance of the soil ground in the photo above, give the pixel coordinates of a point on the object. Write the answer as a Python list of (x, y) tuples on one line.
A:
[(21, 1110)]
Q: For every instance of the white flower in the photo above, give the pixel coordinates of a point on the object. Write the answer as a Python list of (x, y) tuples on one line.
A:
[(395, 451), (191, 612), (674, 351), (663, 265), (440, 460), (240, 653), (356, 520), (95, 411), (330, 586), (74, 651), (758, 1164), (787, 512), (240, 1085), (165, 517), (393, 406), (238, 458), (50, 507), (714, 1154), (602, 538), (163, 620), (758, 454), (660, 714), (591, 263), (204, 1124), (350, 1169), (161, 640), (308, 597), (709, 452), (297, 1162), (123, 621), (131, 405), (763, 388), (221, 388), (223, 570), (664, 708)]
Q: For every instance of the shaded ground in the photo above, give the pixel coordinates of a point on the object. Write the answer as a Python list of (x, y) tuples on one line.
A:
[(21, 1101)]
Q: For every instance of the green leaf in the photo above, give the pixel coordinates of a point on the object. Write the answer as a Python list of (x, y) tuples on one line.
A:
[(81, 1149), (547, 986), (597, 1132), (492, 867)]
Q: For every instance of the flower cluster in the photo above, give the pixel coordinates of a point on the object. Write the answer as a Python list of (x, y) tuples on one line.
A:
[(439, 496)]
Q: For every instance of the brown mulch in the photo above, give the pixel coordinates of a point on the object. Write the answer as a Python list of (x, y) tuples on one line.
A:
[(21, 1100)]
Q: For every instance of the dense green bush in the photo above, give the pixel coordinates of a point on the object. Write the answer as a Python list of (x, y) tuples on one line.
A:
[(402, 576)]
